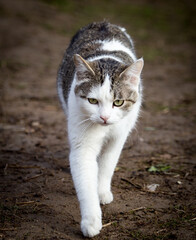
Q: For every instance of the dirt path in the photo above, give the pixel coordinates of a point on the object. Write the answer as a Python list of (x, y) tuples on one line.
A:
[(37, 197)]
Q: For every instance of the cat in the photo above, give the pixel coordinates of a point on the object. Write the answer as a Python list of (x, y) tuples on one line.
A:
[(100, 90)]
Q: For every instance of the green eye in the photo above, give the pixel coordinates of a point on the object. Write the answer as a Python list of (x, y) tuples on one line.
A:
[(118, 103), (92, 100)]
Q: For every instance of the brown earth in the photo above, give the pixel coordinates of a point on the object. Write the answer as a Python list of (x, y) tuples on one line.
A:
[(37, 197)]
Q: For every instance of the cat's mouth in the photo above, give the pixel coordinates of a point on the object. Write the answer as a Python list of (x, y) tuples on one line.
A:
[(105, 124)]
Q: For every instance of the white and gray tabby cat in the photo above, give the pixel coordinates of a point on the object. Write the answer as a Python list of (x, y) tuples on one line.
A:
[(100, 90)]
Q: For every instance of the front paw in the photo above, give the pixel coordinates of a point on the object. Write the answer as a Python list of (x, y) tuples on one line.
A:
[(91, 226), (106, 197)]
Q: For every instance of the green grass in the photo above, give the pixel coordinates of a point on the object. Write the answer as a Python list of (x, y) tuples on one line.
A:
[(159, 168)]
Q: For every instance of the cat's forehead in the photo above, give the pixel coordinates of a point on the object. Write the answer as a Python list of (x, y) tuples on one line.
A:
[(103, 91), (105, 82), (110, 71), (108, 67)]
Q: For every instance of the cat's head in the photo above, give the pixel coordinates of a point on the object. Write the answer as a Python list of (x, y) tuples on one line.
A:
[(106, 90)]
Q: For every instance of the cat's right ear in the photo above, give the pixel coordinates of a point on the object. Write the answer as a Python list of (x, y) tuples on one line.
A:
[(133, 72), (82, 65)]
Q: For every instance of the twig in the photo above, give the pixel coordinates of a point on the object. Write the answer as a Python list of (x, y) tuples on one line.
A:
[(25, 166), (108, 224), (33, 177), (5, 169), (166, 193), (137, 209), (193, 219), (143, 190), (8, 229), (128, 181), (162, 230), (25, 203)]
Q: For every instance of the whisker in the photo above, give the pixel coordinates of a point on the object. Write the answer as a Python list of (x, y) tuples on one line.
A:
[(85, 120)]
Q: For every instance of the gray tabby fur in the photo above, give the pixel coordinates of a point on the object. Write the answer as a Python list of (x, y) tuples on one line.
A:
[(86, 44)]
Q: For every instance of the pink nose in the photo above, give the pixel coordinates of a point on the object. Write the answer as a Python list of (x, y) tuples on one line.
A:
[(104, 118)]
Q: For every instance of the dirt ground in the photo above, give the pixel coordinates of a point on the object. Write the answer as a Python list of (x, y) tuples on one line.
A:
[(37, 197)]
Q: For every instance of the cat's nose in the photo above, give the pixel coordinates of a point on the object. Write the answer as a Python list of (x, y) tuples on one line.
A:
[(104, 118)]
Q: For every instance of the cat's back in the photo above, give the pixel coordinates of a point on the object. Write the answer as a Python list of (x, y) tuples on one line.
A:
[(93, 42), (93, 34)]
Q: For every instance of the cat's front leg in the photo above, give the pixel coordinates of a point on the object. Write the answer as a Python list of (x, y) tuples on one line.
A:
[(107, 163), (84, 171)]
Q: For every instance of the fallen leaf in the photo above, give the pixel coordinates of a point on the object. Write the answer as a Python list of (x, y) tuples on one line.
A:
[(152, 187)]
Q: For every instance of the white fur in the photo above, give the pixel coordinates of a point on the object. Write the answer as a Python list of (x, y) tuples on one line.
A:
[(127, 35), (104, 56), (116, 45), (95, 149)]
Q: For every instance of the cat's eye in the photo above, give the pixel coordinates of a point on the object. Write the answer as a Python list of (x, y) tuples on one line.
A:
[(118, 103), (92, 100)]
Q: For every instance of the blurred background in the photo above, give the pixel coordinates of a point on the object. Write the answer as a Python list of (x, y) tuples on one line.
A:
[(150, 22), (37, 199)]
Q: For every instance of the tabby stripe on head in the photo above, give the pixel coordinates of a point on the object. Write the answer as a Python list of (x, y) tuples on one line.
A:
[(115, 45), (102, 76), (119, 56), (98, 57)]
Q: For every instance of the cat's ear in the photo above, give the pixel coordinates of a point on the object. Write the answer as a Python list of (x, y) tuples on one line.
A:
[(133, 72), (81, 64)]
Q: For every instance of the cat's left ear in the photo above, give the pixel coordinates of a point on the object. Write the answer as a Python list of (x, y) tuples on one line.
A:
[(133, 72), (82, 64)]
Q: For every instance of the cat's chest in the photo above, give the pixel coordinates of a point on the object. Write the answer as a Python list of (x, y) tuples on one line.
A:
[(100, 134)]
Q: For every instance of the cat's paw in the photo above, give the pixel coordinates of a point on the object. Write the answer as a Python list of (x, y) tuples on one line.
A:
[(106, 197), (91, 226)]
